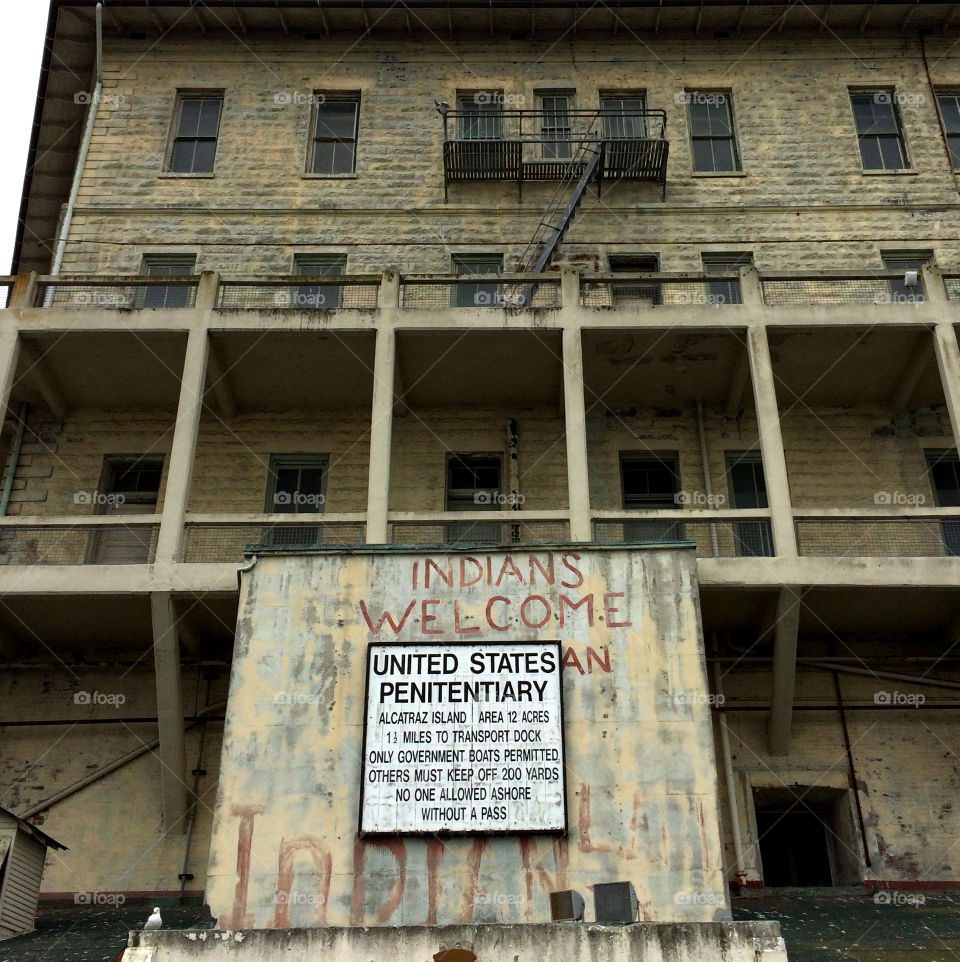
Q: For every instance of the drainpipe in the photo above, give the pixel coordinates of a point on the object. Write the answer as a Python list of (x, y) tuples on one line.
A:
[(741, 872), (14, 458), (870, 673), (84, 149), (184, 875), (707, 483), (851, 770)]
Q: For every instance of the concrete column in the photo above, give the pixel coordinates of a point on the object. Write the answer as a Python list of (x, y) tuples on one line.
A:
[(207, 290), (183, 449), (569, 288), (578, 477), (381, 434), (771, 443), (173, 767), (948, 362), (9, 355), (784, 670), (24, 291)]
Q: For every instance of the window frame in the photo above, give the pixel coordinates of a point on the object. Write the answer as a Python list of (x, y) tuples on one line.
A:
[(891, 92), (160, 295), (279, 462), (458, 496), (954, 93), (491, 107), (183, 96), (109, 474), (732, 137), (327, 297), (633, 292), (562, 148), (320, 100), (608, 95), (479, 294), (725, 292)]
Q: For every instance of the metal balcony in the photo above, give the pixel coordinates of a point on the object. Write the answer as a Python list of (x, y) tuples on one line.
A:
[(537, 145)]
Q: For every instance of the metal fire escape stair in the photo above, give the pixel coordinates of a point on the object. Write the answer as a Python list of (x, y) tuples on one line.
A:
[(555, 219)]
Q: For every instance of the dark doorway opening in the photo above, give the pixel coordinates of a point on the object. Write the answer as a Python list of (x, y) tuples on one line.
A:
[(807, 837)]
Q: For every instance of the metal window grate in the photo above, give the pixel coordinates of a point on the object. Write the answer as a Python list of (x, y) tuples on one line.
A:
[(475, 292), (880, 537), (640, 292), (307, 294), (225, 543), (712, 539), (78, 544), (480, 532), (127, 296), (840, 290), (952, 284)]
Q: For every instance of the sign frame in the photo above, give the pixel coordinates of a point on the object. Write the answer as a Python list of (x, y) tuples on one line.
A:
[(465, 833)]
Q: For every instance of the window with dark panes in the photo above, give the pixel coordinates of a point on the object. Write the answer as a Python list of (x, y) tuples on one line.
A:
[(635, 292), (335, 135), (623, 116), (479, 294), (555, 126), (725, 292), (167, 295), (901, 263), (878, 130), (651, 481), (711, 131), (748, 489), (944, 468), (129, 485), (319, 297), (473, 484), (297, 484), (481, 115), (949, 104), (197, 129)]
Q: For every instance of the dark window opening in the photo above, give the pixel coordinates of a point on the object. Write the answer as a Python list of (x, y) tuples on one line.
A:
[(129, 485), (473, 484), (944, 468), (748, 490), (651, 481), (297, 484), (167, 295), (480, 294), (195, 141), (878, 130), (635, 292), (901, 263), (335, 135), (725, 292), (319, 297)]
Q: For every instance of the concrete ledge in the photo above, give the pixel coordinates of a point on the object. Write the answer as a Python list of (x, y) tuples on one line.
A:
[(643, 942)]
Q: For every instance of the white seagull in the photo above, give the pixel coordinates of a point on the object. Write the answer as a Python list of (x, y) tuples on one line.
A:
[(154, 922)]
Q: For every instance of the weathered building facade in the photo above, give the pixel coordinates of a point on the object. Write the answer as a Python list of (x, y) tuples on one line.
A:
[(745, 339)]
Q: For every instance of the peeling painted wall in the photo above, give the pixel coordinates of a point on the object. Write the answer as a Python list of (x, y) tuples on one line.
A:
[(641, 779)]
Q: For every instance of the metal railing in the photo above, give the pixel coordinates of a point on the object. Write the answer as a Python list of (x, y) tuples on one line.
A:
[(840, 287), (551, 127), (209, 542), (328, 293), (720, 538), (951, 283), (479, 533), (503, 291), (645, 289), (115, 293), (113, 543), (876, 537)]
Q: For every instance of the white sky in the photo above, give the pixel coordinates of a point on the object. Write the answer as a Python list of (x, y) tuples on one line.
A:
[(21, 50)]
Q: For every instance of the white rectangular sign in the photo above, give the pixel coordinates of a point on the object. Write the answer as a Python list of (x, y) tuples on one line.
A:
[(463, 738)]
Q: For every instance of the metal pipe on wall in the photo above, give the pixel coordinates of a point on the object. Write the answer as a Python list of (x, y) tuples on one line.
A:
[(707, 483), (14, 458)]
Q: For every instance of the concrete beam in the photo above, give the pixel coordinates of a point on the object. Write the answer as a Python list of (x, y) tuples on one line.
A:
[(738, 384), (220, 384), (784, 670), (948, 363), (381, 435), (183, 448), (9, 356), (900, 398), (173, 766), (46, 385), (575, 417), (771, 443)]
